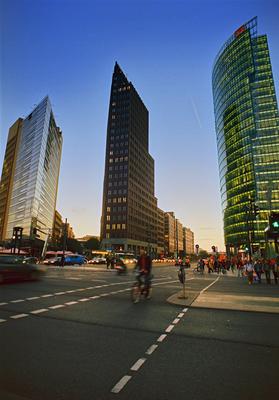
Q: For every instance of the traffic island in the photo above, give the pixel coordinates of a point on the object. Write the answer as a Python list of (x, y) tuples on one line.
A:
[(179, 300)]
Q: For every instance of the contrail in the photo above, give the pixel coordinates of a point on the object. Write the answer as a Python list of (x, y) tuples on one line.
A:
[(196, 113)]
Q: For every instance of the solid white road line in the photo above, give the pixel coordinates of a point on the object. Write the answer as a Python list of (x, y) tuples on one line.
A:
[(59, 293), (17, 301), (70, 303), (176, 320), (120, 385), (161, 338), (207, 287), (70, 291), (33, 298), (138, 364), (41, 310), (94, 297), (57, 306), (47, 295), (19, 316), (85, 299), (152, 348), (2, 320), (169, 328)]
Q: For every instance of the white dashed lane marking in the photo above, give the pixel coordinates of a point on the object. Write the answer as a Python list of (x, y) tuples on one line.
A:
[(161, 338), (41, 310), (80, 290), (69, 303), (151, 349), (17, 301), (57, 306), (120, 385), (138, 364), (19, 316), (2, 320), (169, 328)]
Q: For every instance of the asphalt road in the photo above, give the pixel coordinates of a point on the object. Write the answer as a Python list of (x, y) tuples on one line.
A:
[(76, 335)]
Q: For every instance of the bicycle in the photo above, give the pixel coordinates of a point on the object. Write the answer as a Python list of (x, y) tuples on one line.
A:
[(142, 287)]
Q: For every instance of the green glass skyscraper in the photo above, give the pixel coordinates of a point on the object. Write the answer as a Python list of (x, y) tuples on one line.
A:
[(247, 129)]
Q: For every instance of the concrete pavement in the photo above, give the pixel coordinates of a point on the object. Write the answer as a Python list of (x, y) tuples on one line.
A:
[(228, 292)]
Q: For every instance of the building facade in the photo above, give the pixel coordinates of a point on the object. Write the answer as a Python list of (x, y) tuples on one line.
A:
[(8, 174), (34, 182), (129, 210), (178, 237), (247, 130), (160, 232), (57, 229), (188, 241), (169, 233)]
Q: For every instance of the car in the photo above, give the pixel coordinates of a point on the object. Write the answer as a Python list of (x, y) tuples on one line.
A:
[(15, 268), (53, 261), (75, 259), (97, 260), (70, 259)]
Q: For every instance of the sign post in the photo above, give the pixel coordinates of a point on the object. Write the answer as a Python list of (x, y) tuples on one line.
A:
[(182, 278)]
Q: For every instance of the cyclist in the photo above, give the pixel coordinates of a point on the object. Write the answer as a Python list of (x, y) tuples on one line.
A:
[(144, 267)]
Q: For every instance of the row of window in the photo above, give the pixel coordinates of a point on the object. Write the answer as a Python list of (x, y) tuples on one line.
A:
[(117, 200), (115, 226), (118, 159)]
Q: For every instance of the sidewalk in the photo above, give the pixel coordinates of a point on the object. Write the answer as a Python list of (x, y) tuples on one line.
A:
[(233, 294)]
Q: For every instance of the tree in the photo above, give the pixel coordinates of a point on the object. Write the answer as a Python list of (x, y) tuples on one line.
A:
[(92, 244), (74, 246), (203, 254)]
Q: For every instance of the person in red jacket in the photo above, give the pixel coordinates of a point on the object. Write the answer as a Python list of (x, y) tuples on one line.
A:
[(144, 267)]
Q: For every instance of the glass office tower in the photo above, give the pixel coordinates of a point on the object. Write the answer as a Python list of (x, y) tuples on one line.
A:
[(247, 129), (35, 179)]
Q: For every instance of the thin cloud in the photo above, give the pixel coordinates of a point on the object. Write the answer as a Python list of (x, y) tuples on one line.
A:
[(196, 113)]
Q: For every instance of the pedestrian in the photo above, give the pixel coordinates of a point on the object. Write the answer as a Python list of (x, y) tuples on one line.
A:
[(267, 268), (275, 270), (258, 269), (108, 261), (233, 265), (249, 269), (216, 266), (112, 263)]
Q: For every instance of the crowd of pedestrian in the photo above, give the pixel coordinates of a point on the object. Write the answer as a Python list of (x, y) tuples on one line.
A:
[(254, 270)]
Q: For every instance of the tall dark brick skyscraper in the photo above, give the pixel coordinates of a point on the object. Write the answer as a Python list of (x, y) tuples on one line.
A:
[(129, 215)]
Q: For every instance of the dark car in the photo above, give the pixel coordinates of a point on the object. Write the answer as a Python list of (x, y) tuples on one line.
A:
[(17, 268)]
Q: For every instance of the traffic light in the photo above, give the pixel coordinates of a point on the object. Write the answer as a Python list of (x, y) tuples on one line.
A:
[(274, 222)]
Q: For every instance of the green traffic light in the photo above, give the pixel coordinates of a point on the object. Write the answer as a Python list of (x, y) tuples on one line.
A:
[(275, 224)]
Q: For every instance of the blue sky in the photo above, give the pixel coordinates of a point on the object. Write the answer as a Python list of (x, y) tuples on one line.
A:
[(67, 49)]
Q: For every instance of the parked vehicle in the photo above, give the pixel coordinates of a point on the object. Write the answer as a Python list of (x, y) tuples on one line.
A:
[(53, 261), (97, 260), (71, 259)]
